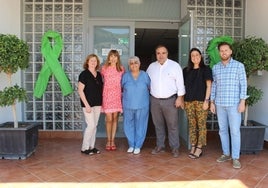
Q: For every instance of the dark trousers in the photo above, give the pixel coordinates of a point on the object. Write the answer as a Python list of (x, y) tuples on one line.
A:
[(165, 114)]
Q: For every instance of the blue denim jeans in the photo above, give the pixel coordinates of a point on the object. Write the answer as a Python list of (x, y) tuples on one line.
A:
[(229, 118)]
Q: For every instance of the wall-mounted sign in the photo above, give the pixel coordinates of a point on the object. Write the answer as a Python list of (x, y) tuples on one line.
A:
[(123, 40)]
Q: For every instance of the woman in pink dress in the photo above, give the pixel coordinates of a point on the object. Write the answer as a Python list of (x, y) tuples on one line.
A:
[(112, 72)]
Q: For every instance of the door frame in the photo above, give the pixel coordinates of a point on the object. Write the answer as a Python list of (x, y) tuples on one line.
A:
[(183, 60)]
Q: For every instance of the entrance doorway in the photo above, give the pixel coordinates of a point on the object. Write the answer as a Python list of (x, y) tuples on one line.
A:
[(145, 42), (147, 39)]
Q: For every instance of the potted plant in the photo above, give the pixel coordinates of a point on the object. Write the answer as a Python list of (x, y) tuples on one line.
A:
[(17, 140), (253, 53)]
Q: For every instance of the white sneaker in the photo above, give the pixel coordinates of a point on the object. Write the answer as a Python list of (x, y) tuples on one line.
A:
[(130, 150), (137, 151)]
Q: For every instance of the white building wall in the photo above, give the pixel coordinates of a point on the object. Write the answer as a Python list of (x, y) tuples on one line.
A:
[(10, 13), (256, 25)]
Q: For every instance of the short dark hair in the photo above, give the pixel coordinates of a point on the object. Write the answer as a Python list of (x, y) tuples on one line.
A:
[(224, 43), (160, 46)]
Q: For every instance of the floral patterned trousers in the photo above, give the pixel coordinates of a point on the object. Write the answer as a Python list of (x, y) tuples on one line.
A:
[(197, 118)]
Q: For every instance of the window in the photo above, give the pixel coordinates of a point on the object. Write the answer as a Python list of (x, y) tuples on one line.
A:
[(55, 111)]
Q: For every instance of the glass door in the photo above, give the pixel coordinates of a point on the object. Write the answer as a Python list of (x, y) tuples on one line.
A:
[(107, 35), (185, 44), (185, 38), (104, 36)]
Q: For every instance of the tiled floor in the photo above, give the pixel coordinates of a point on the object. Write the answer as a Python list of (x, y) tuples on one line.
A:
[(59, 163)]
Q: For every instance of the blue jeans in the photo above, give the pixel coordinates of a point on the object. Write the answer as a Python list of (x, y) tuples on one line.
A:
[(229, 118)]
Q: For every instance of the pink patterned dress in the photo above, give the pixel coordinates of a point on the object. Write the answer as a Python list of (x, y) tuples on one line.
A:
[(112, 93)]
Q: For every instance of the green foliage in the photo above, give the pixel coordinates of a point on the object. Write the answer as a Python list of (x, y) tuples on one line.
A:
[(254, 95), (11, 95), (14, 54), (253, 53)]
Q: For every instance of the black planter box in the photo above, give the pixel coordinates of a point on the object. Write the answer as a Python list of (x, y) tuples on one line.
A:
[(18, 143), (252, 138)]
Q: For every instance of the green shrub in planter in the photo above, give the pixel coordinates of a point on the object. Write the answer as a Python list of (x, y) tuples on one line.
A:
[(14, 55), (253, 53), (11, 94), (255, 95)]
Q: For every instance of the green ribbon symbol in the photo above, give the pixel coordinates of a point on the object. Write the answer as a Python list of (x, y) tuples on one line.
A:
[(213, 51), (51, 52)]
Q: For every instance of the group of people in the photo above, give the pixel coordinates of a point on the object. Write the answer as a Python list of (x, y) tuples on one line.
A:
[(162, 89)]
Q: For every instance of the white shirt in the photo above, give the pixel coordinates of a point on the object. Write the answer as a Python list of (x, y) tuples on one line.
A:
[(166, 79)]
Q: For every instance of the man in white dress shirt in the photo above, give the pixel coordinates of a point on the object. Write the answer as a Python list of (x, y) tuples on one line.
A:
[(167, 90)]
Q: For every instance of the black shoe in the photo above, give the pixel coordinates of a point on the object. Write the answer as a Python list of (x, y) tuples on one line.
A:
[(157, 150), (87, 152), (191, 154), (96, 151)]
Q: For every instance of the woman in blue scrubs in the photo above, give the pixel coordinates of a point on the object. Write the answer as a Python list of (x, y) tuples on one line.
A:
[(135, 85)]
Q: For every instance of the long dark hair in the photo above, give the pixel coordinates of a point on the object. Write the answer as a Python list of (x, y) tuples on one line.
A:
[(191, 64), (118, 63)]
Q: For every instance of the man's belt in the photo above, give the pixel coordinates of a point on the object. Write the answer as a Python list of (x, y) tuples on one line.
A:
[(172, 96)]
